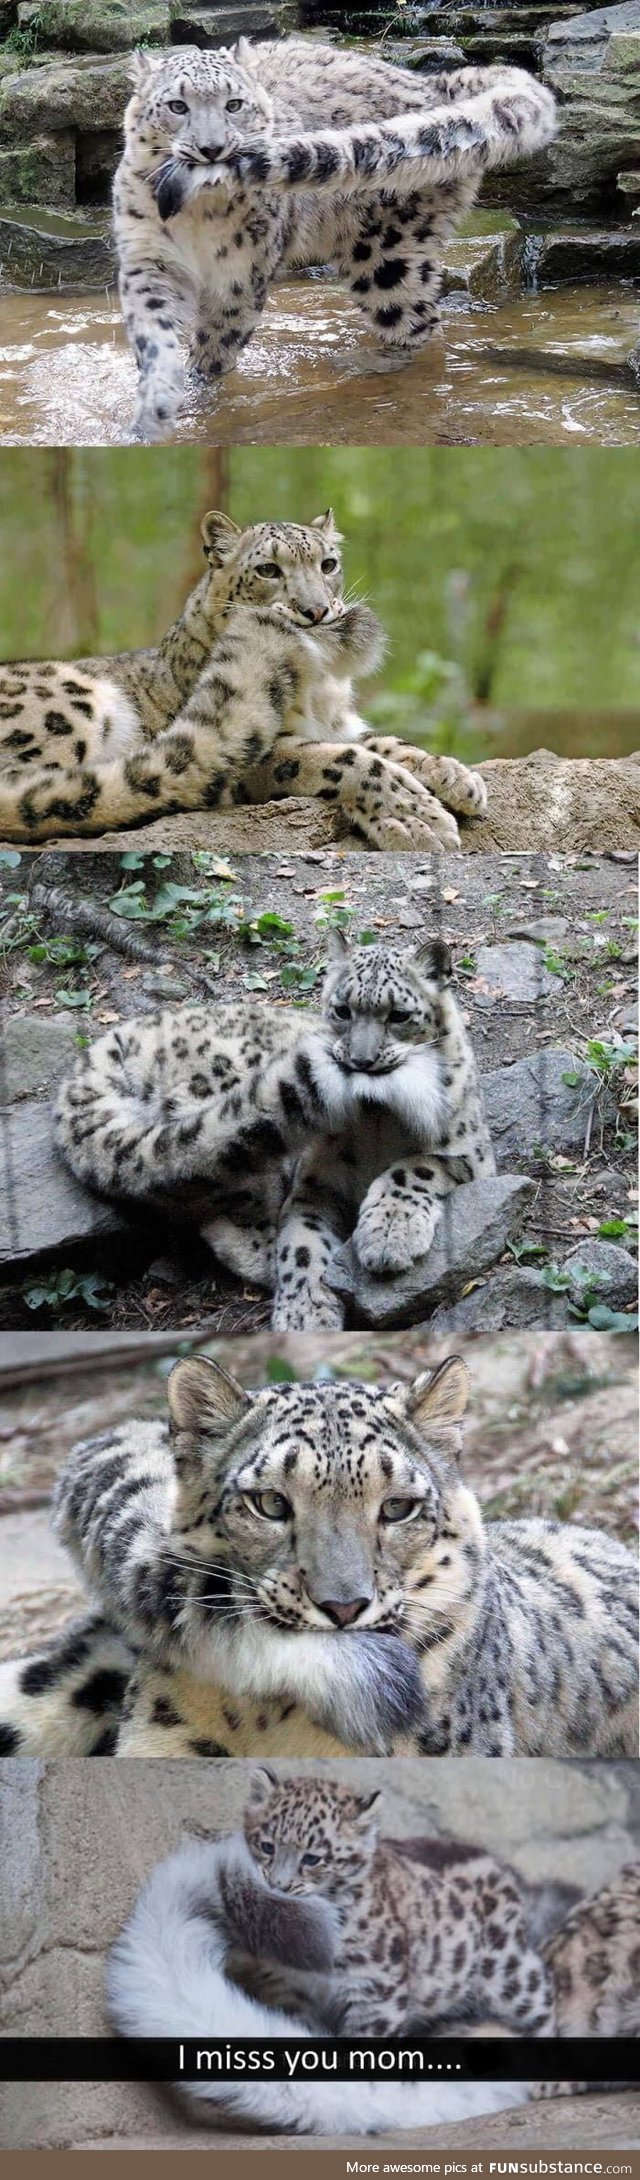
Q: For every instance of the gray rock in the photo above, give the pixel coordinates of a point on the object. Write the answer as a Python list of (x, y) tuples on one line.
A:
[(593, 62), (589, 254), (478, 1220), (79, 95), (36, 1051), (509, 1301), (100, 26), (221, 24), (515, 970), (530, 1105), (41, 1206), (612, 1271), (41, 172), (30, 257)]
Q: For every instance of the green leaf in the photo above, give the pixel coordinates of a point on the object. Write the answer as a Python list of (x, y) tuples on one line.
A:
[(604, 1319)]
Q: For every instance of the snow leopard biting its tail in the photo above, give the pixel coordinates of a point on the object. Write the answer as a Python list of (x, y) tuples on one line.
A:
[(240, 162)]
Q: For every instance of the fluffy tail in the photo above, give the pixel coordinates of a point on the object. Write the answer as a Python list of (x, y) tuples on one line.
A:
[(166, 1977), (66, 1700), (508, 118)]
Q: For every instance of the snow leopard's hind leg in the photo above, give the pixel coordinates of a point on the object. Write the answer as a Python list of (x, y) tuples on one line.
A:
[(390, 255), (244, 1237), (314, 1221), (67, 1699)]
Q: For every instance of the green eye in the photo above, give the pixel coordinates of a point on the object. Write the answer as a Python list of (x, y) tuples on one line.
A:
[(272, 1505), (400, 1509), (328, 566), (269, 568)]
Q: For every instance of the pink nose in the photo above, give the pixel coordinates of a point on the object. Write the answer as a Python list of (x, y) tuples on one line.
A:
[(343, 1614)]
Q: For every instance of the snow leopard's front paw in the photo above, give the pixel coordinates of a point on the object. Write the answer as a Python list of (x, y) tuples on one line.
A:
[(159, 403), (394, 1231), (455, 785)]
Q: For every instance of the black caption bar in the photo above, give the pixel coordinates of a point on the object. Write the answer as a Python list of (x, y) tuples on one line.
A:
[(106, 2059)]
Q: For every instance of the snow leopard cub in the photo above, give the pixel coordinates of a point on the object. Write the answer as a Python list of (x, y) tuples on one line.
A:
[(203, 1111), (225, 177), (412, 1943)]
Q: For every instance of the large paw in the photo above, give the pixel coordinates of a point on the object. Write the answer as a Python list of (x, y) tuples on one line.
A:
[(393, 1232), (445, 777), (159, 403), (394, 810)]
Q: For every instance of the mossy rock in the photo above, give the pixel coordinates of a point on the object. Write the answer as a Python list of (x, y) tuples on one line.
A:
[(41, 172), (78, 95), (98, 26)]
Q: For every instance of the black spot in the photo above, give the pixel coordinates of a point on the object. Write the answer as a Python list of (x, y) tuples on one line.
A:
[(103, 1692), (9, 1740), (202, 1747)]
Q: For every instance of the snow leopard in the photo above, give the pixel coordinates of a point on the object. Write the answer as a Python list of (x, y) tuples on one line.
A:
[(170, 1974), (240, 162), (202, 1110), (248, 698), (302, 1571), (413, 1942)]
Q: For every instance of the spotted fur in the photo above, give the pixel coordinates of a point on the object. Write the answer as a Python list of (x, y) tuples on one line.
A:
[(414, 1943), (239, 162), (249, 698), (303, 1572), (202, 1110)]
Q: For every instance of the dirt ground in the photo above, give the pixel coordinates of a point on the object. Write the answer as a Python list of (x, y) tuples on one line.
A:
[(551, 1429), (254, 930)]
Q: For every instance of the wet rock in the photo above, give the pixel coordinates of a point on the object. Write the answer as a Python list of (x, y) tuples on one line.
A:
[(41, 1206), (484, 266), (220, 25), (530, 1106), (513, 971), (41, 172), (35, 1052), (478, 1219), (100, 26), (602, 1265), (30, 257), (593, 62), (577, 254), (512, 1301), (78, 95), (425, 55)]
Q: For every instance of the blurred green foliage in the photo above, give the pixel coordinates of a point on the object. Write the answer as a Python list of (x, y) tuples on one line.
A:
[(511, 574)]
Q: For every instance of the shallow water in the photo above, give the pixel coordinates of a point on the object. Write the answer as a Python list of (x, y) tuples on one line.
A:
[(541, 369)]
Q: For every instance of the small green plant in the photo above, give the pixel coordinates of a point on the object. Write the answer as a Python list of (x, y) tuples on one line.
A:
[(334, 913), (26, 38), (59, 1290)]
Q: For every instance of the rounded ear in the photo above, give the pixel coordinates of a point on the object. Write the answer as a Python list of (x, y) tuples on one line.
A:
[(327, 524), (367, 1802), (261, 1786), (203, 1399), (219, 536), (434, 956), (337, 944), (242, 52), (439, 1397), (141, 66)]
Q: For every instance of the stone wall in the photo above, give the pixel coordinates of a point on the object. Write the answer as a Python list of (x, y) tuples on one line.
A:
[(80, 1838)]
